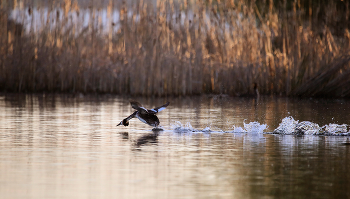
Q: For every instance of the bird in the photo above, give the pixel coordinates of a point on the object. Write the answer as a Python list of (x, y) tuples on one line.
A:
[(147, 116), (255, 94)]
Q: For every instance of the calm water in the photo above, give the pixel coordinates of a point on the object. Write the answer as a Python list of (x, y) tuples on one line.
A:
[(70, 147)]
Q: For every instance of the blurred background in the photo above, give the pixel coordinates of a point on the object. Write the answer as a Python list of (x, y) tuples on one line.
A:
[(102, 52), (172, 48)]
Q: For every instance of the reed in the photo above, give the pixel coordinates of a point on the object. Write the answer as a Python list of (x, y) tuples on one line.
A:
[(291, 48)]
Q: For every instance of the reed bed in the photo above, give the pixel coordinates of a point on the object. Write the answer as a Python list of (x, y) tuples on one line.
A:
[(178, 48)]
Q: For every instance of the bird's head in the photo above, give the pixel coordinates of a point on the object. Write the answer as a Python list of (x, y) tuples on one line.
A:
[(125, 122)]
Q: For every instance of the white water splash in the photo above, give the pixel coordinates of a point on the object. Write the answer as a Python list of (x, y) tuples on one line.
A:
[(291, 126), (238, 129), (307, 128), (255, 127), (336, 129), (252, 127), (287, 126), (206, 129), (180, 128)]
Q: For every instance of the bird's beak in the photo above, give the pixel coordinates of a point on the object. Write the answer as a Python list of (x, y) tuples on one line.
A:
[(120, 124)]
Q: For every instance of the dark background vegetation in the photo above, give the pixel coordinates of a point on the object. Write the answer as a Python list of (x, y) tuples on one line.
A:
[(290, 48)]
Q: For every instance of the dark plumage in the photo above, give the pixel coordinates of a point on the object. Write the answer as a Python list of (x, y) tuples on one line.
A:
[(255, 94), (147, 116)]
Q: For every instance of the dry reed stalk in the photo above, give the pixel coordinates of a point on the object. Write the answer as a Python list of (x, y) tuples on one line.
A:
[(207, 47), (317, 83)]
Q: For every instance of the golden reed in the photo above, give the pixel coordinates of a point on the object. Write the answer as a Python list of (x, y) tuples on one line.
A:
[(295, 48)]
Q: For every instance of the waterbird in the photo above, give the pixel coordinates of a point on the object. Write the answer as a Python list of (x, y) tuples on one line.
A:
[(147, 116), (255, 94)]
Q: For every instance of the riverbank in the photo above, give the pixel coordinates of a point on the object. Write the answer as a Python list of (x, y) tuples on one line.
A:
[(191, 49)]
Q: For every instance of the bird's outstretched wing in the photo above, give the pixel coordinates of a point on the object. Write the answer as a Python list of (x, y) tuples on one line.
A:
[(136, 105), (156, 110)]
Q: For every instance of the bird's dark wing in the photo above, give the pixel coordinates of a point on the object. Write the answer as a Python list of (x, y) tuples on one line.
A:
[(136, 105), (156, 110)]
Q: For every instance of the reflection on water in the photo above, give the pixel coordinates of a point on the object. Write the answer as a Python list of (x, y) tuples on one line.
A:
[(70, 147)]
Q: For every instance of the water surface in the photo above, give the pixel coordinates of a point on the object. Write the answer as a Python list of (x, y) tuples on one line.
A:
[(69, 147)]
